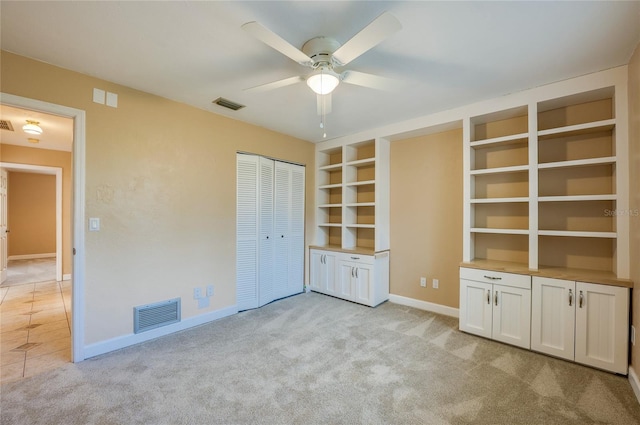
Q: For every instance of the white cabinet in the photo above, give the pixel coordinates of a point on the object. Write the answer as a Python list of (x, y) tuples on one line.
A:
[(322, 274), (496, 305), (269, 230), (580, 321), (602, 326), (363, 279), (553, 317)]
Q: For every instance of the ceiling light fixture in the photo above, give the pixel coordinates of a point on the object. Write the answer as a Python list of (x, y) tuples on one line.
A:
[(32, 127), (323, 81)]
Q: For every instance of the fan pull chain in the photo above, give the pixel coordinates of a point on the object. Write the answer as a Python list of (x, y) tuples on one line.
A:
[(322, 101)]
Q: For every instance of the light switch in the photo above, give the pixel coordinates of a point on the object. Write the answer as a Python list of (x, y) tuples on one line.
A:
[(98, 96), (94, 224), (112, 100)]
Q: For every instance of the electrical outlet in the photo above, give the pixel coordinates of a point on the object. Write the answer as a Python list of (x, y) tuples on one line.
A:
[(423, 282), (435, 283), (633, 335), (197, 293), (209, 290)]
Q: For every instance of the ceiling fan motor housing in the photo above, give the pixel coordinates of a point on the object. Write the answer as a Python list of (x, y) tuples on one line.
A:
[(321, 49)]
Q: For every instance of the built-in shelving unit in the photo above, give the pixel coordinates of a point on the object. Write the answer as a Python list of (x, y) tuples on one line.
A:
[(353, 196), (544, 186)]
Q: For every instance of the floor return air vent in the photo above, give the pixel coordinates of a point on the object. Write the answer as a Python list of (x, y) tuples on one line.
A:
[(151, 316)]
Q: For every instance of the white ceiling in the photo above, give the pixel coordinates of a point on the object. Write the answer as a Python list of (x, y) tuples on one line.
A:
[(57, 132), (449, 53)]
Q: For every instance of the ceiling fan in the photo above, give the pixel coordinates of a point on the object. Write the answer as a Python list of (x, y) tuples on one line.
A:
[(324, 55)]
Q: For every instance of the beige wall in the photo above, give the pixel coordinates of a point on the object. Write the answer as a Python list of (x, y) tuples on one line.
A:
[(634, 191), (426, 216), (31, 213), (161, 177), (49, 158)]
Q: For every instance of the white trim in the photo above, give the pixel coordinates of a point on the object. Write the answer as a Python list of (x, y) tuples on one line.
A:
[(66, 276), (635, 382), (117, 343), (424, 305), (56, 171), (78, 172), (31, 256)]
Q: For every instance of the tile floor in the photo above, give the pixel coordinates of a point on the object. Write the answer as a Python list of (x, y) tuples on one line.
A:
[(35, 333)]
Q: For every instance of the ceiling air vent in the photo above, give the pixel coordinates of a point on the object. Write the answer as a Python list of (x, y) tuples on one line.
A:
[(6, 125), (226, 103)]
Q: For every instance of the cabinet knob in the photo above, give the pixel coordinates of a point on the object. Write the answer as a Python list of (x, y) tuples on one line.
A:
[(492, 277), (488, 296), (355, 258), (581, 299), (495, 298), (570, 297)]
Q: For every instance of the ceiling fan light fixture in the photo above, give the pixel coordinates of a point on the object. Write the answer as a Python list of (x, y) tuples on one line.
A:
[(32, 127), (323, 81)]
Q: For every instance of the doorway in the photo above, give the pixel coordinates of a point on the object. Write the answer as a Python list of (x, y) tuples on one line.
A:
[(30, 267), (77, 209)]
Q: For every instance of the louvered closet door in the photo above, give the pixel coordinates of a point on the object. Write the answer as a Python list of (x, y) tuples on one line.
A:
[(296, 226), (282, 212), (247, 232), (265, 229), (289, 230)]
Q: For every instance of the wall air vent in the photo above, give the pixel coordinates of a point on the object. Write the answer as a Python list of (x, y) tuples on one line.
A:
[(6, 125), (226, 103), (151, 316)]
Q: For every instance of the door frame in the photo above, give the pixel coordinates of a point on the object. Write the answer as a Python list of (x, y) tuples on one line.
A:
[(56, 171), (78, 209)]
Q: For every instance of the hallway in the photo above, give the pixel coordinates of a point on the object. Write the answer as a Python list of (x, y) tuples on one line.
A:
[(36, 334)]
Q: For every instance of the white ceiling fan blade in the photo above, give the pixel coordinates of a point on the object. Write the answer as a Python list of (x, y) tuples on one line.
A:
[(276, 42), (382, 27), (275, 84), (324, 104), (369, 80)]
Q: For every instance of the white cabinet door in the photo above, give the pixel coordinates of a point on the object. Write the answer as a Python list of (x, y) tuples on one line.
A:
[(475, 307), (363, 288), (317, 271), (322, 274), (512, 315), (553, 310), (602, 314), (346, 281)]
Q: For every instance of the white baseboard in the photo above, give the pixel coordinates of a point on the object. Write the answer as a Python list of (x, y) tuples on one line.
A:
[(66, 276), (635, 382), (117, 343), (31, 256), (424, 305)]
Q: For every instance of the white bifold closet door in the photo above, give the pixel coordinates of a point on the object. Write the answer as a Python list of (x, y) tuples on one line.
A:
[(270, 230)]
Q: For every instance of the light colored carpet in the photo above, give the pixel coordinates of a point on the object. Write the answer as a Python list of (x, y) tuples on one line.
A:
[(34, 270), (313, 359)]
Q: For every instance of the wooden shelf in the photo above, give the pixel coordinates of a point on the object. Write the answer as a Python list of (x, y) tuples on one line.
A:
[(361, 204), (361, 226), (574, 130), (330, 206), (500, 170), (500, 231), (330, 225), (362, 162), (362, 183), (577, 234), (330, 186), (573, 198), (578, 163), (331, 167), (498, 200), (501, 141)]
